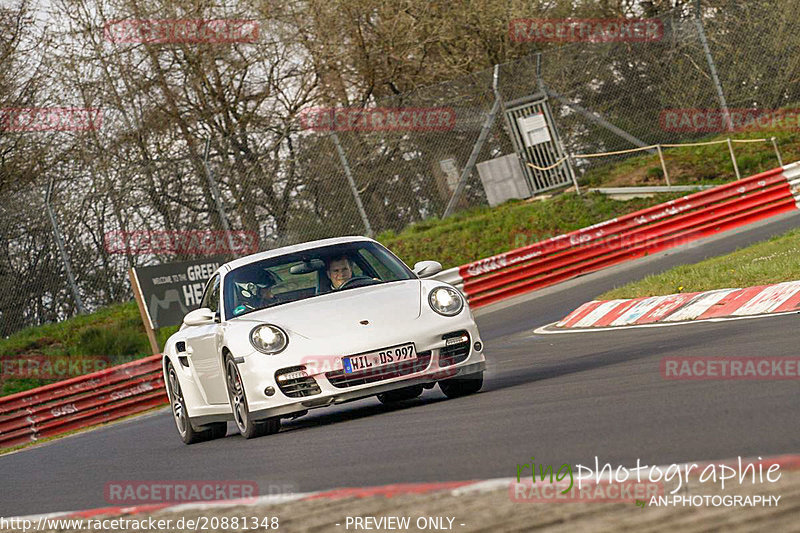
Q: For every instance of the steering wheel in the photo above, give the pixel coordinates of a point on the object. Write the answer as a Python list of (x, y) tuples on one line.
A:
[(355, 279)]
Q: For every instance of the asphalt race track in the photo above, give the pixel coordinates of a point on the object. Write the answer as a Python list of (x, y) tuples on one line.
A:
[(560, 398)]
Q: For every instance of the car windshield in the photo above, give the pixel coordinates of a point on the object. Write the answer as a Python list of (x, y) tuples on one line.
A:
[(292, 277)]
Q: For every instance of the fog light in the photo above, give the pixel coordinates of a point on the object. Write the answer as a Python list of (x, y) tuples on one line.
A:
[(269, 391), (478, 346)]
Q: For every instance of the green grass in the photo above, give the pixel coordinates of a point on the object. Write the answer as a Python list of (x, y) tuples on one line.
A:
[(699, 164), (115, 332), (482, 232), (767, 262)]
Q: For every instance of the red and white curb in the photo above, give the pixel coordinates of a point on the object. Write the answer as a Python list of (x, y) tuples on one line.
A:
[(455, 488), (674, 308)]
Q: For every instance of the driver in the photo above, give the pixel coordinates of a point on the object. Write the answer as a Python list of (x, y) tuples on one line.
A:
[(340, 270)]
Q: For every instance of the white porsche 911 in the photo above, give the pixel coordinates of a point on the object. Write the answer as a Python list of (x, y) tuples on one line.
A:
[(315, 324)]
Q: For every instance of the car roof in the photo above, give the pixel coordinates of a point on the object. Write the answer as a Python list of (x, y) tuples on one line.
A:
[(241, 261)]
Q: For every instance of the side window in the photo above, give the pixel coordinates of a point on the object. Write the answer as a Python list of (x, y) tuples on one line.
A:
[(211, 296)]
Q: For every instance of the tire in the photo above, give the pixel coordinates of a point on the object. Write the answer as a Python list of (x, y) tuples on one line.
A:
[(462, 386), (188, 434), (248, 427), (400, 395)]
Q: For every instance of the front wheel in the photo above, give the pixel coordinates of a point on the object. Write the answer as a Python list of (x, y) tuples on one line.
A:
[(188, 434), (248, 427), (462, 386)]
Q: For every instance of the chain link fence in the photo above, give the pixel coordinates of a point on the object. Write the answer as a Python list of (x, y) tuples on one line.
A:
[(288, 182)]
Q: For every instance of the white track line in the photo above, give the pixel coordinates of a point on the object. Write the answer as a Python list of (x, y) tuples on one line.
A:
[(543, 330)]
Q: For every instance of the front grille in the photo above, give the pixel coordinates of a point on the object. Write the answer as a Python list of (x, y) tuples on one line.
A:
[(296, 386), (455, 353), (341, 380)]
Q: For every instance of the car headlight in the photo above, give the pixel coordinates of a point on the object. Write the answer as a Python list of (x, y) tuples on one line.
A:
[(446, 301), (268, 339)]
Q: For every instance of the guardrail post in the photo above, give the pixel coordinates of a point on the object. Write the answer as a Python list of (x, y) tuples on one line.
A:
[(350, 181), (663, 165), (219, 203), (777, 152), (62, 251), (570, 164), (698, 21), (476, 148), (733, 159)]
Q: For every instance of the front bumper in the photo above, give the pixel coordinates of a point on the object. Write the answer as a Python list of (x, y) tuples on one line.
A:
[(325, 383)]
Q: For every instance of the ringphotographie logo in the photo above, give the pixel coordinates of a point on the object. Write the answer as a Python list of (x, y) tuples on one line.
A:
[(718, 120), (168, 491), (378, 119), (52, 367), (730, 368), (160, 31), (199, 242), (22, 119), (570, 30)]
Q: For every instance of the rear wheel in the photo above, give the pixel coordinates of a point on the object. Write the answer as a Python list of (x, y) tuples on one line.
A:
[(400, 395), (248, 427), (189, 435), (462, 386)]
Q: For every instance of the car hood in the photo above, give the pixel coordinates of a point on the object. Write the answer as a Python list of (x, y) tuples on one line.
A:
[(341, 313)]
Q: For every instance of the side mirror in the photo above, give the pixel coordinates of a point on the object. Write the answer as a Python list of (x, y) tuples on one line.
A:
[(199, 317), (426, 269)]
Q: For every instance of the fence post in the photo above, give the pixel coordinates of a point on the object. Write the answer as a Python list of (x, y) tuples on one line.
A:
[(352, 183), (733, 158), (476, 149), (62, 251), (570, 164), (710, 60), (663, 165), (220, 205), (777, 152)]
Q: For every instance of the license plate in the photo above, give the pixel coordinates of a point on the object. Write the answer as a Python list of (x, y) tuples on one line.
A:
[(387, 356)]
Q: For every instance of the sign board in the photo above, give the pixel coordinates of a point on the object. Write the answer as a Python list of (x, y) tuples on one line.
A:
[(534, 129), (450, 169), (171, 290)]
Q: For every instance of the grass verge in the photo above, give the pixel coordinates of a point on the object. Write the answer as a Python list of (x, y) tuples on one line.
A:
[(694, 165), (482, 232), (771, 261), (113, 334)]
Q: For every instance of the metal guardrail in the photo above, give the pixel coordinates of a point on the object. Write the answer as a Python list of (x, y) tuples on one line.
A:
[(82, 401), (634, 235)]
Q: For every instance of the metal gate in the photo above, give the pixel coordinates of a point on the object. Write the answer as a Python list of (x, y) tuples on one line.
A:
[(536, 141)]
